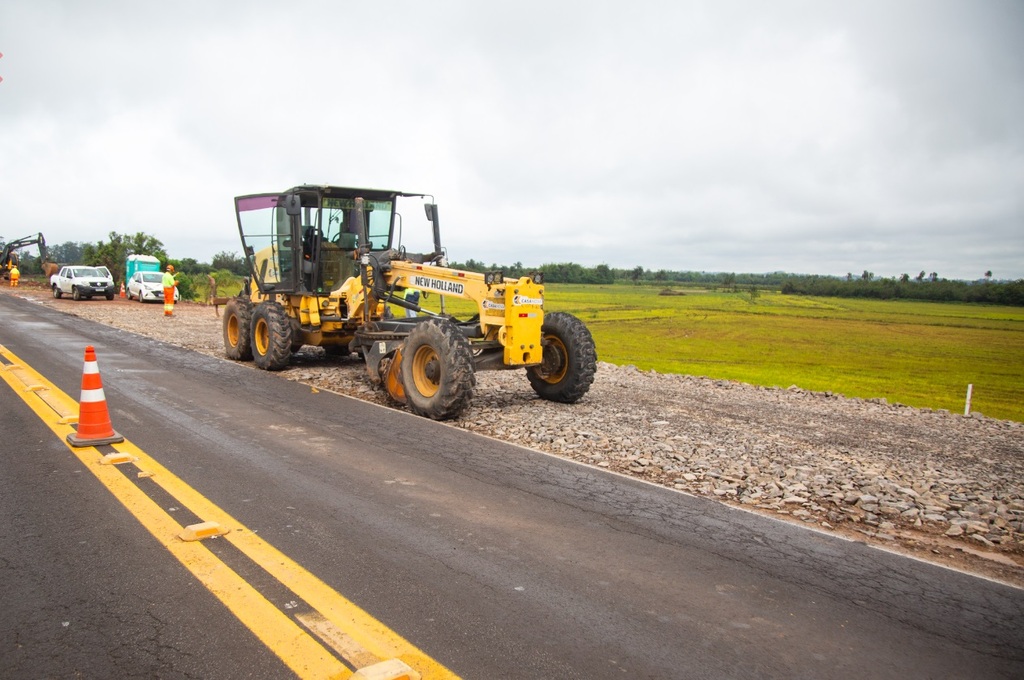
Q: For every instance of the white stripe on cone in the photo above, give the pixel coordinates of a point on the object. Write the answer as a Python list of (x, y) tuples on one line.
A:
[(92, 396)]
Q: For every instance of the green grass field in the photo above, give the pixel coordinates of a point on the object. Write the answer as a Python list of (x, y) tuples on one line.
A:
[(915, 353)]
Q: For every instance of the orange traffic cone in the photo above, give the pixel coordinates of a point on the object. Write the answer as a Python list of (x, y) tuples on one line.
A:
[(122, 289), (94, 428)]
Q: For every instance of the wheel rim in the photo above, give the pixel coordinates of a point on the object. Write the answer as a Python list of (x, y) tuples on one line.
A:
[(232, 330), (555, 362), (426, 371), (261, 336)]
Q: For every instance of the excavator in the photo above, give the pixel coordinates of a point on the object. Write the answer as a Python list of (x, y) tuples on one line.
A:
[(9, 257), (327, 266)]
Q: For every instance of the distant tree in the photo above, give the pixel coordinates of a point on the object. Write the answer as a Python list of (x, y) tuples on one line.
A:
[(113, 253), (988, 276), (189, 265), (603, 274), (933, 277), (68, 252), (233, 262), (904, 278), (920, 277), (637, 274), (849, 276), (867, 276)]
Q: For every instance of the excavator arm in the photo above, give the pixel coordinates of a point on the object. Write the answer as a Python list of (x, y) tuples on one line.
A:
[(9, 256)]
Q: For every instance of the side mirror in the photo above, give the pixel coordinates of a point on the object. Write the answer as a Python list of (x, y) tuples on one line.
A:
[(431, 210), (292, 204)]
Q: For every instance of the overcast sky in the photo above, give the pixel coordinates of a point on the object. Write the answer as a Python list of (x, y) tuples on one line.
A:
[(739, 136)]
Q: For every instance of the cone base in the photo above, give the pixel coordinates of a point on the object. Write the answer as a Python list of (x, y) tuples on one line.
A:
[(75, 440)]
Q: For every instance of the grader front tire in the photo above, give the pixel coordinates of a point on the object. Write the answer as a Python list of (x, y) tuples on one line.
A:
[(569, 360), (437, 370), (271, 337), (237, 325)]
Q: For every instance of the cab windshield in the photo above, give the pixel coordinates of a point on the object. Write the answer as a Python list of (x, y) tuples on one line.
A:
[(339, 220), (309, 249)]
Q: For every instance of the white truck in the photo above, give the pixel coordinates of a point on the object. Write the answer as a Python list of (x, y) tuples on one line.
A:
[(82, 282)]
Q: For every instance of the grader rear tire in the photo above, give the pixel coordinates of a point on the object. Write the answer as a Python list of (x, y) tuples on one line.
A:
[(437, 370), (237, 333), (271, 337), (569, 360)]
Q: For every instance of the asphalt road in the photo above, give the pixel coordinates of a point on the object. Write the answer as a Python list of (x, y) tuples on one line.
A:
[(497, 561)]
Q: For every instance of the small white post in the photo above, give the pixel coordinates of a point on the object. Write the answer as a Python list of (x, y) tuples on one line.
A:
[(967, 406)]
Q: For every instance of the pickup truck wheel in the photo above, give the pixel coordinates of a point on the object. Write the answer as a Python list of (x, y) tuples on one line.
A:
[(437, 370), (75, 294), (110, 296), (271, 337), (569, 360), (237, 325), (57, 292)]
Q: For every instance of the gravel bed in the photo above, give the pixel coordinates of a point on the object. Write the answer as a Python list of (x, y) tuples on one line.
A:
[(943, 486)]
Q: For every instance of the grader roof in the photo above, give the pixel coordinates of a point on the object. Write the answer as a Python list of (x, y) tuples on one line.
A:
[(352, 192)]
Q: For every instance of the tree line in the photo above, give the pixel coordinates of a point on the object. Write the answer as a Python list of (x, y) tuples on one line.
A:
[(113, 253), (924, 286), (930, 289)]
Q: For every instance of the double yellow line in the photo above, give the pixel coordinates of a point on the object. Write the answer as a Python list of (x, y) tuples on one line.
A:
[(335, 640)]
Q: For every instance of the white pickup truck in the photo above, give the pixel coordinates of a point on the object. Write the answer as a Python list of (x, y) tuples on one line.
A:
[(82, 282)]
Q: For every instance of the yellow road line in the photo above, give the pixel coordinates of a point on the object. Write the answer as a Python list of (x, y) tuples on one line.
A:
[(350, 630)]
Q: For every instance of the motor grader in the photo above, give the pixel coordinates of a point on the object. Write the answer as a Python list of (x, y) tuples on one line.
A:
[(328, 267)]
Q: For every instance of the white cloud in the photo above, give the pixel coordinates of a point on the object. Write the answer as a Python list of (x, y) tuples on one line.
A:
[(809, 137)]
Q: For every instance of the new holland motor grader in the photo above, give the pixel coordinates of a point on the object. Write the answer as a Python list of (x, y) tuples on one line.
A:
[(327, 268)]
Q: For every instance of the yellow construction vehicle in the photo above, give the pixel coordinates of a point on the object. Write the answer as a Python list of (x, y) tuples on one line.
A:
[(9, 257), (327, 265)]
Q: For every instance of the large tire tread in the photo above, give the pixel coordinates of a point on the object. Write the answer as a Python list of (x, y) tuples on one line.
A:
[(237, 329), (271, 337), (570, 360), (451, 379)]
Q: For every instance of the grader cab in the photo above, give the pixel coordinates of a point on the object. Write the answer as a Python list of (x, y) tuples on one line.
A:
[(328, 267)]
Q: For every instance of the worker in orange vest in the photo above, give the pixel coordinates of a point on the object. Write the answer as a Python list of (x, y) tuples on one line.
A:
[(15, 276), (169, 285)]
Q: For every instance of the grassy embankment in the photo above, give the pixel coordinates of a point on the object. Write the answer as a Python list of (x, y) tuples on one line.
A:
[(915, 353)]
